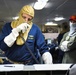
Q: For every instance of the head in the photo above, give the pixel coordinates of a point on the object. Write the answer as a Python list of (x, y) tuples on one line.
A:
[(64, 27), (26, 13), (72, 24), (73, 20)]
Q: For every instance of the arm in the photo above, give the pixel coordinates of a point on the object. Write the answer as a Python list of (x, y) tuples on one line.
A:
[(43, 48), (9, 35), (5, 31), (68, 44)]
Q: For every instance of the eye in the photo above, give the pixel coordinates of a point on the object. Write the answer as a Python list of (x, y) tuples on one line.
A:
[(24, 17), (29, 19)]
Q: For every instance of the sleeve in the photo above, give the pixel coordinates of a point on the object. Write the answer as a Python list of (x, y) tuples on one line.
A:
[(64, 37), (43, 48), (5, 31), (67, 45), (72, 43), (40, 41)]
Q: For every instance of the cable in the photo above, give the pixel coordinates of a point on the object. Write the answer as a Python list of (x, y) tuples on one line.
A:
[(30, 51)]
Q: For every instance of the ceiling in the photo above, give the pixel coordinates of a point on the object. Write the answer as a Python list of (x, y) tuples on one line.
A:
[(65, 8)]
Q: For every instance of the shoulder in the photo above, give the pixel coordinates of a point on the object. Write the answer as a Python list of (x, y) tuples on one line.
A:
[(8, 24), (35, 26), (66, 34), (7, 27)]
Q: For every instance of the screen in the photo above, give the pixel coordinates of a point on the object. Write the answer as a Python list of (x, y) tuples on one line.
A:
[(49, 41)]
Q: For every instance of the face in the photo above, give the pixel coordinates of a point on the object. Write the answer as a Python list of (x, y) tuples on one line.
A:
[(72, 24), (27, 17)]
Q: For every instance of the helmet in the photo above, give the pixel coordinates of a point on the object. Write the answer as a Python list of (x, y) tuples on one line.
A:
[(73, 18)]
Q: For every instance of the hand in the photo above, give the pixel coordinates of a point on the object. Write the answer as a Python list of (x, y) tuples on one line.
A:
[(47, 58), (65, 43), (11, 38), (64, 46), (22, 27)]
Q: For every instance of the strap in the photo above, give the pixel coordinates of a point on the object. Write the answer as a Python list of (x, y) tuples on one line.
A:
[(30, 51)]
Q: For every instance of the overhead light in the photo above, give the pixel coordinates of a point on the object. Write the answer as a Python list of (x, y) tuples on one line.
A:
[(51, 24), (40, 4), (43, 0), (58, 18), (15, 18)]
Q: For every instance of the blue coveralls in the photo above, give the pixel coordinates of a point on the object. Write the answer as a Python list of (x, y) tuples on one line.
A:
[(19, 53)]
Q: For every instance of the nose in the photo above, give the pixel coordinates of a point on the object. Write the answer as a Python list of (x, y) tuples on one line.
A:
[(26, 20)]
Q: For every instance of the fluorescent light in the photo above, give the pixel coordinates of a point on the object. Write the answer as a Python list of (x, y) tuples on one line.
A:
[(43, 0), (50, 23), (15, 18), (58, 18), (39, 5)]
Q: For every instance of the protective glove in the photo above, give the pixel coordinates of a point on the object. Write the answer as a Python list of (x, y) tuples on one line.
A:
[(22, 27), (47, 58), (11, 38), (64, 46)]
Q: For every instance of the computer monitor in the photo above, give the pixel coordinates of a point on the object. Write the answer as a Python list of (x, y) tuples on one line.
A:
[(49, 41)]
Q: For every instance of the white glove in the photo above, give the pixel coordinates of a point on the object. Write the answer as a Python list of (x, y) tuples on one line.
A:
[(22, 27), (64, 46), (11, 38), (47, 58)]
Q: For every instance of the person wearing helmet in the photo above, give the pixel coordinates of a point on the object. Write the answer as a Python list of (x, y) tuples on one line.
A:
[(20, 35), (68, 42)]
